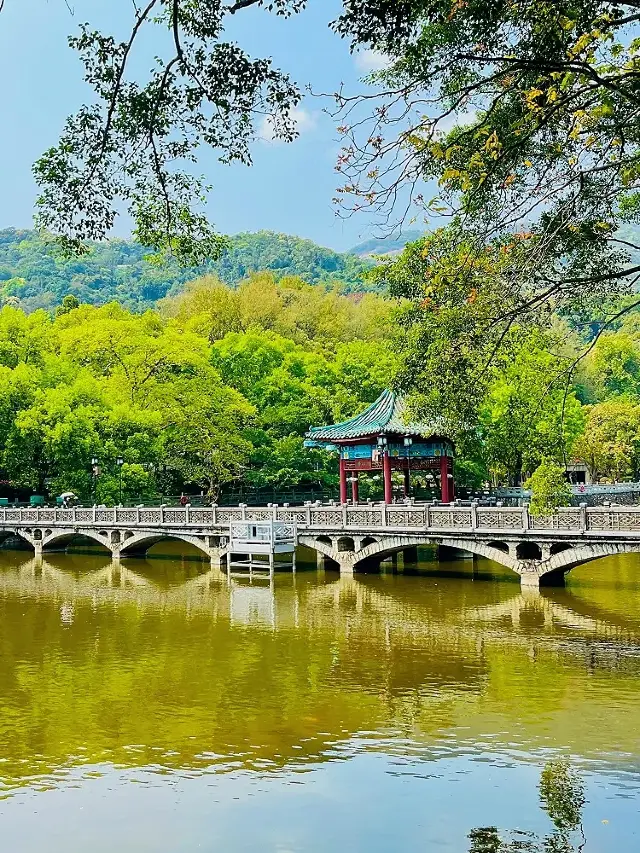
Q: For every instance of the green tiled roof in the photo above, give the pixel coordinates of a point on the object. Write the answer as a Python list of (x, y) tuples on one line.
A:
[(385, 416)]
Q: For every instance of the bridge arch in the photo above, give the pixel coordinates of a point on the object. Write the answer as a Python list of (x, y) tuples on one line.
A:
[(58, 538), (22, 535), (572, 557), (370, 547), (139, 543), (501, 546), (393, 544), (324, 545)]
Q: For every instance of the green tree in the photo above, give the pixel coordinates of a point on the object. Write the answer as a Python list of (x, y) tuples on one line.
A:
[(549, 488), (526, 416), (610, 443), (543, 98), (69, 303), (613, 366)]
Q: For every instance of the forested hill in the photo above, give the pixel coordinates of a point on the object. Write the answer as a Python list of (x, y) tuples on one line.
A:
[(33, 276), (391, 245)]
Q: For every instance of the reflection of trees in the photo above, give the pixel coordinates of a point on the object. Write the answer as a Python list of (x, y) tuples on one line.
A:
[(163, 656), (562, 797)]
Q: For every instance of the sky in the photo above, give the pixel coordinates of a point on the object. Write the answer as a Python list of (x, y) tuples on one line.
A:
[(288, 189)]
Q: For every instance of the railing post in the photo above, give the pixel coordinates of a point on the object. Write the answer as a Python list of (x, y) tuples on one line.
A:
[(214, 514), (186, 514), (309, 515), (344, 515), (474, 515), (583, 517), (115, 515), (138, 514), (161, 513), (274, 511), (94, 514), (20, 514), (526, 520), (384, 514), (243, 511), (427, 516)]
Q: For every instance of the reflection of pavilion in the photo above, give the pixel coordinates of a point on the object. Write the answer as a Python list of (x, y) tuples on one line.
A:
[(336, 659), (381, 439)]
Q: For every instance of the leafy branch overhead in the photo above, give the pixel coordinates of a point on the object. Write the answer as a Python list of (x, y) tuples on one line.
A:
[(524, 115), (134, 145)]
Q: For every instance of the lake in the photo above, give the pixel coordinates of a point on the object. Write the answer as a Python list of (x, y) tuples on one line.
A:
[(158, 707)]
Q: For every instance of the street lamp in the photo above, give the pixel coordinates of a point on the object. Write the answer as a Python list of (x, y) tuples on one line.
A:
[(408, 441), (120, 463), (95, 470)]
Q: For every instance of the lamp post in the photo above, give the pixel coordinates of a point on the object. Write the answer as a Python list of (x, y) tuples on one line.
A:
[(120, 463), (407, 472), (431, 482), (95, 470), (383, 444)]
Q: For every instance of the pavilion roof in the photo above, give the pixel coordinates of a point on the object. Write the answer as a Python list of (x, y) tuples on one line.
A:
[(384, 417)]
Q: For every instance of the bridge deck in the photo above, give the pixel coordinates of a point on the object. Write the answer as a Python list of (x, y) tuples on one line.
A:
[(351, 535), (593, 521)]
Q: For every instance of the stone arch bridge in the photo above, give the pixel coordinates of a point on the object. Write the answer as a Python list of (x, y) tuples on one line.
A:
[(539, 550)]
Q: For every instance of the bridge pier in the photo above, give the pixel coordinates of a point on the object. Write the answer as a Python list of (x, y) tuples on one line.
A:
[(530, 579), (410, 555)]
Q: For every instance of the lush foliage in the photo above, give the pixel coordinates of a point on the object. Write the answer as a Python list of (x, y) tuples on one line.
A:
[(208, 392), (33, 274), (549, 488), (543, 98), (523, 116), (512, 397)]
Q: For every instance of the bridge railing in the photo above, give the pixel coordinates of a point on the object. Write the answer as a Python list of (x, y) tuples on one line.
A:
[(364, 516)]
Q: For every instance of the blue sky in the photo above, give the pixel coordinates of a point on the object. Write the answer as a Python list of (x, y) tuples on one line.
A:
[(289, 188)]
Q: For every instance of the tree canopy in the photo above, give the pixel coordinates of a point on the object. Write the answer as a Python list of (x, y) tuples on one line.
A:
[(218, 388), (524, 116)]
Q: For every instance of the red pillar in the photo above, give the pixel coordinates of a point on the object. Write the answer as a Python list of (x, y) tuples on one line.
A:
[(343, 481), (446, 485), (354, 486), (386, 469)]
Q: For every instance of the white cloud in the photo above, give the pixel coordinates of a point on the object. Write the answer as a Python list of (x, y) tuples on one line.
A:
[(371, 60), (303, 120)]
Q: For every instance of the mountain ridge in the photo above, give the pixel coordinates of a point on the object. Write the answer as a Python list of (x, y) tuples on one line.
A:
[(33, 275)]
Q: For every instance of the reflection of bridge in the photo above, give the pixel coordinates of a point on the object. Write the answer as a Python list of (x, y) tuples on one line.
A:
[(289, 604), (352, 537)]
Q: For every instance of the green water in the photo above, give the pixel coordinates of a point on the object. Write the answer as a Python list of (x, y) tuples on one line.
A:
[(157, 707)]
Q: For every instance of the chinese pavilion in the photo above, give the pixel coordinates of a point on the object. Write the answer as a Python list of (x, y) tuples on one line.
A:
[(380, 439)]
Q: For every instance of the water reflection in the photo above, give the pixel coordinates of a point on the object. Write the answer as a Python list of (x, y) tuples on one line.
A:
[(172, 667)]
